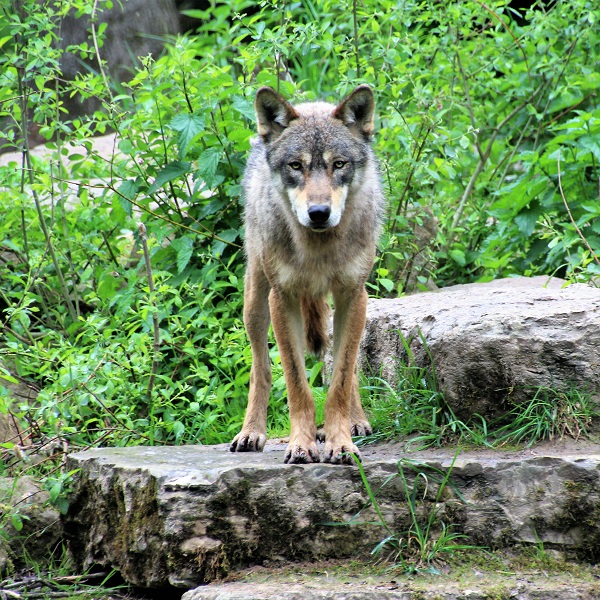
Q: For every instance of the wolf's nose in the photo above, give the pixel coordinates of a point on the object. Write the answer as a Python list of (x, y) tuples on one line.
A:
[(319, 214)]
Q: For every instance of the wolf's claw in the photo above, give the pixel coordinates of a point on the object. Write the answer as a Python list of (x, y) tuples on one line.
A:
[(341, 453), (299, 454), (361, 429), (246, 441)]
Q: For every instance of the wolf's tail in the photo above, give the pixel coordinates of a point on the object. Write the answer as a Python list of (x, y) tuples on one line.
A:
[(315, 314)]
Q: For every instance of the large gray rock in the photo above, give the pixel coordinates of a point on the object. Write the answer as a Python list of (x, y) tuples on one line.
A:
[(187, 515), (491, 344), (41, 532)]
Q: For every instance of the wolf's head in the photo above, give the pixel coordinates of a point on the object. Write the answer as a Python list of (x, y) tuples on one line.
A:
[(317, 151)]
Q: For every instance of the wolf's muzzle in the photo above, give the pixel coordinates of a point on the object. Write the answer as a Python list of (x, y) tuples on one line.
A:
[(319, 215)]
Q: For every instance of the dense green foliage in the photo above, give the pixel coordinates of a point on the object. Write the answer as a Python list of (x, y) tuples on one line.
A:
[(489, 140)]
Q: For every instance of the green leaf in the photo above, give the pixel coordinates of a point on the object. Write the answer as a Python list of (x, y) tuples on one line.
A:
[(9, 377), (188, 126), (564, 100), (228, 235), (178, 430), (244, 106), (241, 137), (591, 208), (526, 220), (55, 491), (208, 162), (107, 286), (184, 247), (127, 192), (211, 208), (388, 284), (458, 256), (517, 196), (125, 146), (172, 171), (62, 504), (17, 522), (591, 142)]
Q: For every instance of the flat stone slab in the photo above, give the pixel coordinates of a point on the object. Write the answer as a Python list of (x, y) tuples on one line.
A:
[(550, 590), (188, 515)]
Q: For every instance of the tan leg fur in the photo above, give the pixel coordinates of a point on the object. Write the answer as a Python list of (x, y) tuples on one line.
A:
[(253, 435), (288, 328), (342, 398)]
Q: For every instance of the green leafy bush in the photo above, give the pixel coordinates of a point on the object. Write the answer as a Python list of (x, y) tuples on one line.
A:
[(82, 324)]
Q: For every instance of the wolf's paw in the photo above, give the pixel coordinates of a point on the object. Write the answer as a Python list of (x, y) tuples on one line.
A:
[(340, 454), (298, 453), (248, 441), (361, 429)]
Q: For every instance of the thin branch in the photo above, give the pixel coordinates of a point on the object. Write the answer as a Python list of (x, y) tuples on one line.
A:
[(416, 155), (111, 186), (507, 28), (483, 159), (97, 49), (152, 301), (38, 206), (562, 195), (115, 417), (356, 39), (469, 104), (566, 61)]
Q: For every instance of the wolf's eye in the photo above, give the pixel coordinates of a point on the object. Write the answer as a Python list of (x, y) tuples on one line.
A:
[(339, 164), (295, 165)]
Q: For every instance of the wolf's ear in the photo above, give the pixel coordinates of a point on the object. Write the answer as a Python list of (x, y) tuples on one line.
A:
[(273, 113), (357, 111)]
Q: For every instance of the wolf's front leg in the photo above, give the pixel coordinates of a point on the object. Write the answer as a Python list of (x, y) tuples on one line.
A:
[(359, 424), (288, 328), (253, 435), (342, 399)]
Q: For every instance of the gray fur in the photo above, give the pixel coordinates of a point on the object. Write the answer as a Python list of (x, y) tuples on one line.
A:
[(273, 233)]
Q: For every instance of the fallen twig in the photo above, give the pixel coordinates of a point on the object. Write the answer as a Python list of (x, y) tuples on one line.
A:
[(34, 586)]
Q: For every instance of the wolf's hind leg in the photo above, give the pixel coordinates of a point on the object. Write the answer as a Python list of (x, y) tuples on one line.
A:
[(253, 435), (288, 327)]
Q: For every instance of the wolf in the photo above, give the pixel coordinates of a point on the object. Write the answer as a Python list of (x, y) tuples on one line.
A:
[(313, 209)]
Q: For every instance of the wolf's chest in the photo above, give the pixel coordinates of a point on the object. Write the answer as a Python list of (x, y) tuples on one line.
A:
[(318, 275)]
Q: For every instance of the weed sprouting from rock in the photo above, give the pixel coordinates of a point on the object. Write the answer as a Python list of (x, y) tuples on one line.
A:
[(426, 539)]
